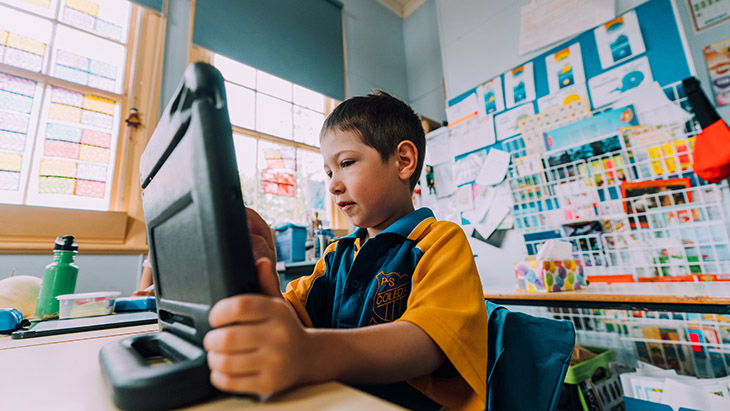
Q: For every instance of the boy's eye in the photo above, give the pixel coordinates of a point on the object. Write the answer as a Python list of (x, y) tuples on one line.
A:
[(329, 174), (347, 163)]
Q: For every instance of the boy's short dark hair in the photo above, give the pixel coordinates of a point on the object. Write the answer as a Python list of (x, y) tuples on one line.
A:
[(382, 121)]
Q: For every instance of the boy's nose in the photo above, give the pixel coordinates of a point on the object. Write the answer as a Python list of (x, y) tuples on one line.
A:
[(336, 186)]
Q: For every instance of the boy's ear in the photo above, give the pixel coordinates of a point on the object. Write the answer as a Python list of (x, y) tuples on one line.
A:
[(407, 156)]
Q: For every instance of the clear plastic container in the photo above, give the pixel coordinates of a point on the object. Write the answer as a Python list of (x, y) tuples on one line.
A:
[(87, 304)]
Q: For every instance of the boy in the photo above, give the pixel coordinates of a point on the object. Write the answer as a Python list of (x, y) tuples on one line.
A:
[(395, 308)]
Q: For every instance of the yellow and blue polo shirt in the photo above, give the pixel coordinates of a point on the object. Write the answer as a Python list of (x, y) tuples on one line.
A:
[(418, 270)]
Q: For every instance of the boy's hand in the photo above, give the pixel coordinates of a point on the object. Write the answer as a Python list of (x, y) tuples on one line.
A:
[(262, 240), (261, 347), (263, 246)]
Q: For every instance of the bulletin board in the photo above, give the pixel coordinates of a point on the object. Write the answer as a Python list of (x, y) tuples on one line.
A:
[(585, 159)]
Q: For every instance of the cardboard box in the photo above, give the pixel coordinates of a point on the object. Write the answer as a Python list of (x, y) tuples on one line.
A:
[(549, 276)]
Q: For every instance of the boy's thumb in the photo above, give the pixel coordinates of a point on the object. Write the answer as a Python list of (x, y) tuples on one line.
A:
[(268, 278)]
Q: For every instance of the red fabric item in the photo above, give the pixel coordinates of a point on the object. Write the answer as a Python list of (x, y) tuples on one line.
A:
[(712, 153)]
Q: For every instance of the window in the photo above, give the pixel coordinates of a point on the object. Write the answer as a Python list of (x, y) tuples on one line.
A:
[(276, 135), (62, 76)]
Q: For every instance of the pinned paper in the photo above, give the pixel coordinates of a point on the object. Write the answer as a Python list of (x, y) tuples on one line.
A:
[(651, 105), (494, 168)]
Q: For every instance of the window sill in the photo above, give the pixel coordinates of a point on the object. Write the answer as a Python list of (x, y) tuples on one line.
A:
[(32, 230)]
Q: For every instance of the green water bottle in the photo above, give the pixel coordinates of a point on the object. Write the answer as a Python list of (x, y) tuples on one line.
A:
[(59, 277)]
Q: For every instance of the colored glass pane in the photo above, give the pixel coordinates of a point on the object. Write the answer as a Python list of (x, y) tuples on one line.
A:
[(26, 44), (107, 18), (67, 97), (13, 122), (71, 74), (64, 113), (101, 82), (108, 29), (100, 104), (17, 85), (84, 6), (9, 180), (95, 154), (87, 188), (102, 69), (78, 19), (96, 138), (16, 102), (58, 168), (40, 3), (10, 161), (3, 37), (94, 172), (56, 185), (55, 148), (22, 59), (57, 131), (68, 59), (11, 141), (95, 119)]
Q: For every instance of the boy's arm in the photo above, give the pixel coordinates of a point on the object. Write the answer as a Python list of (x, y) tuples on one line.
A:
[(262, 347)]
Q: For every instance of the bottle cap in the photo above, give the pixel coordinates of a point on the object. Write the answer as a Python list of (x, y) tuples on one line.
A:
[(66, 243)]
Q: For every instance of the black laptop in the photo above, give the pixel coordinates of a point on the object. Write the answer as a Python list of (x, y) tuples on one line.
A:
[(199, 247)]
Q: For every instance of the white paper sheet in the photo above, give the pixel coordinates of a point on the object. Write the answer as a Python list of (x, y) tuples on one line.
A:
[(619, 40), (506, 124), (494, 168), (462, 110), (519, 85), (444, 180), (562, 97), (651, 105), (611, 85), (437, 147), (490, 96), (565, 68), (472, 134), (548, 21)]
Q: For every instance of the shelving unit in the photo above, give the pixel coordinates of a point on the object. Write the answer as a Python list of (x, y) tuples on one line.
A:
[(651, 215)]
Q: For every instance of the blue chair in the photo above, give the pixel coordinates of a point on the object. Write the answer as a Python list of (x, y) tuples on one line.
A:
[(527, 360)]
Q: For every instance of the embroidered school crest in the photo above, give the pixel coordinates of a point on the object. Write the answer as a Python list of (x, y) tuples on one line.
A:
[(391, 298)]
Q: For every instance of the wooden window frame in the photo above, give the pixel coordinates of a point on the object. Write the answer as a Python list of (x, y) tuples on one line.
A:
[(28, 229)]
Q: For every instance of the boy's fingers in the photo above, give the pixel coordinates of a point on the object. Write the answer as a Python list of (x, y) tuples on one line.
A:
[(240, 383), (236, 363), (237, 338), (240, 309), (268, 278)]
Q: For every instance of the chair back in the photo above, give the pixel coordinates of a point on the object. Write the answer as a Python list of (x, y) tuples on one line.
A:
[(527, 359)]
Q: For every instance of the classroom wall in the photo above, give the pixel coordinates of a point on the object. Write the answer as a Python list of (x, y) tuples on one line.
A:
[(96, 272), (479, 40)]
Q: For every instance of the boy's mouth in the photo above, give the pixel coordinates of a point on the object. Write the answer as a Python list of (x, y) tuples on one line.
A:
[(345, 205)]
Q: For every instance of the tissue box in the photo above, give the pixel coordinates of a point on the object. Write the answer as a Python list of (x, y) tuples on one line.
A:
[(549, 276)]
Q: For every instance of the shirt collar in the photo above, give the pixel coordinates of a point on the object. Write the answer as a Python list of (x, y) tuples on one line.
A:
[(403, 227)]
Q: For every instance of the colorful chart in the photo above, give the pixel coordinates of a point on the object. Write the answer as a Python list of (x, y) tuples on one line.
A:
[(85, 14), (16, 100), (86, 71), (20, 51), (77, 144)]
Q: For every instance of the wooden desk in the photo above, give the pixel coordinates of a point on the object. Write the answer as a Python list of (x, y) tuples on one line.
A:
[(62, 373), (704, 297)]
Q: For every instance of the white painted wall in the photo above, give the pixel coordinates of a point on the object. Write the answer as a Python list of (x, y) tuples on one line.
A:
[(96, 272)]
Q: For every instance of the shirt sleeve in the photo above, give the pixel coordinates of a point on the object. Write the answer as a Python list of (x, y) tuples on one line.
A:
[(447, 302)]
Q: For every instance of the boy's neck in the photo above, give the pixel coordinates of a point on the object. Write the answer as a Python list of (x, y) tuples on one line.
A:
[(373, 231)]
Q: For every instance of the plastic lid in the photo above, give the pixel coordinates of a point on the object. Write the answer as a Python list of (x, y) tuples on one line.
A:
[(66, 243)]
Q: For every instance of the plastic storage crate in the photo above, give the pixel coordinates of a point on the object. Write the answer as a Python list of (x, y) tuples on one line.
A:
[(593, 384), (290, 239)]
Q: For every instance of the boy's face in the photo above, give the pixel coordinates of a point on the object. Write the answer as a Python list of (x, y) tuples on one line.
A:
[(371, 193)]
